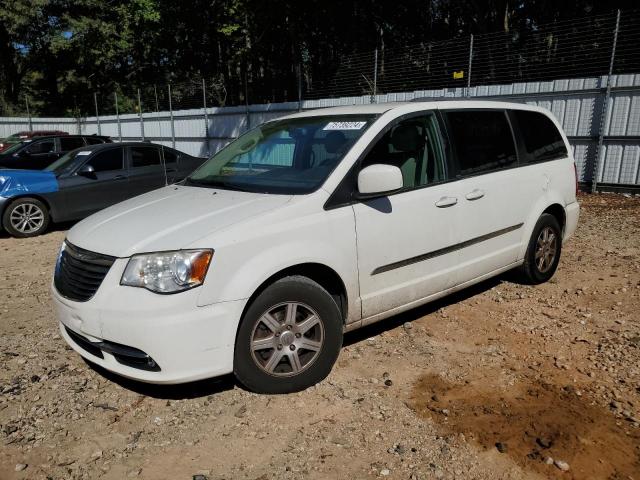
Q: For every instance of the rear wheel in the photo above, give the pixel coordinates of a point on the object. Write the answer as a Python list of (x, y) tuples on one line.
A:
[(26, 217), (543, 252), (289, 337)]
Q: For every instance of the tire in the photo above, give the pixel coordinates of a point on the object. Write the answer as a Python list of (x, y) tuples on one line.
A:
[(26, 217), (269, 341), (542, 257)]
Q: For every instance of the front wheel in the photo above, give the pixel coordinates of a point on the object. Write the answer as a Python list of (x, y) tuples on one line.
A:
[(289, 337), (543, 252), (26, 217)]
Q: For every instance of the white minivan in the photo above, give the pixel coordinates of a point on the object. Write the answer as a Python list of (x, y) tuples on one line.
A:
[(309, 226)]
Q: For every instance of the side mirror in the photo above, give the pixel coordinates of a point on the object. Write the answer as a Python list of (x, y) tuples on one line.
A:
[(87, 171), (379, 179)]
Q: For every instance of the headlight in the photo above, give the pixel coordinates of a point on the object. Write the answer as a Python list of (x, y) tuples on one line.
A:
[(167, 272)]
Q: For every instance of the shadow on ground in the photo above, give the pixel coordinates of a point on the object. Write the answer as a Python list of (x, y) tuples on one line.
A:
[(213, 386)]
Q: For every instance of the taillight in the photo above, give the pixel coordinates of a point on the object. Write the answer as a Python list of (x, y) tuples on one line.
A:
[(575, 175)]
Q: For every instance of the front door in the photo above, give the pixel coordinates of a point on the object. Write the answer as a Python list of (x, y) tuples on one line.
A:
[(404, 239), (107, 185)]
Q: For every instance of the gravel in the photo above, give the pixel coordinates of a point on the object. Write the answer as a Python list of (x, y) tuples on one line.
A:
[(577, 336)]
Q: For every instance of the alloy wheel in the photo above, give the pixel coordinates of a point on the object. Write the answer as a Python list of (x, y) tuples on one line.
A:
[(27, 218), (546, 249), (287, 339)]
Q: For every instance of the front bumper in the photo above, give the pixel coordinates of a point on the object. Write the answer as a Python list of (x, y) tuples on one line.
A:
[(185, 342), (4, 201)]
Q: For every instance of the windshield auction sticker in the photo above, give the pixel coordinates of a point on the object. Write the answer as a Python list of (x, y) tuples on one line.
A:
[(84, 152), (344, 125)]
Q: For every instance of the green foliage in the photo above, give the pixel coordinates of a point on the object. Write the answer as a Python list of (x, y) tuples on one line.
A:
[(57, 53)]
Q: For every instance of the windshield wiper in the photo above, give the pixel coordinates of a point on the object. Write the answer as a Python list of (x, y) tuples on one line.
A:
[(216, 184)]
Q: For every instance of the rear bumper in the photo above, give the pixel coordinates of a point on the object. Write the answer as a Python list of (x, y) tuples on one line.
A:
[(572, 213)]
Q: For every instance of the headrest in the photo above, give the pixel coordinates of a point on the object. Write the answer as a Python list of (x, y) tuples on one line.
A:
[(406, 138), (334, 142)]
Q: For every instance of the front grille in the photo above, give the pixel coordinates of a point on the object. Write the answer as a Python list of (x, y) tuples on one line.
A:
[(80, 272)]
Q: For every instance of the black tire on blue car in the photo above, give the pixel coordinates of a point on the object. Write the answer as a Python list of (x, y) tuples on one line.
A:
[(289, 337)]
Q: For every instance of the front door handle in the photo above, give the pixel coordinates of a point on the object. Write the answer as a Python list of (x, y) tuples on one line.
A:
[(445, 202), (119, 177), (474, 194)]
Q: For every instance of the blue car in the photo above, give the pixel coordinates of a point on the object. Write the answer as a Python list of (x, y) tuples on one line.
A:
[(85, 181)]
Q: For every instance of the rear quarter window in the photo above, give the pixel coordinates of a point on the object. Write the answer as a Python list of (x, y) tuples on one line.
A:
[(170, 157), (541, 138)]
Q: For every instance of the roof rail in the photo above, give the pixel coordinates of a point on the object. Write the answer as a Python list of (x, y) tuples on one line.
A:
[(502, 98)]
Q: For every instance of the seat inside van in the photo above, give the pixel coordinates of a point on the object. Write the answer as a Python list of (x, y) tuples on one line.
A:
[(411, 147)]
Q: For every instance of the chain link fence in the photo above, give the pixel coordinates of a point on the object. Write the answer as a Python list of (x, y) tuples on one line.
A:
[(575, 48)]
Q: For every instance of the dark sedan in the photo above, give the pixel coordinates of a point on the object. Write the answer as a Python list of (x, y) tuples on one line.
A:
[(21, 136), (86, 180), (40, 152)]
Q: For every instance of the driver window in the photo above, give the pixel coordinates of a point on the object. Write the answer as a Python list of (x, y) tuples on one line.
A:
[(413, 145), (44, 146), (107, 160)]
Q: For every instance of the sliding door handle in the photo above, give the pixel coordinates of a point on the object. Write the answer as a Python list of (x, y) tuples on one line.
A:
[(445, 202), (474, 194)]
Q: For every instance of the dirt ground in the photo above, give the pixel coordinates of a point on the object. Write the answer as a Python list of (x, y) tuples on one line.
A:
[(501, 381)]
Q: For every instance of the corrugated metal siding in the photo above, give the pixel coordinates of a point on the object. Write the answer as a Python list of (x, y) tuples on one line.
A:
[(577, 103)]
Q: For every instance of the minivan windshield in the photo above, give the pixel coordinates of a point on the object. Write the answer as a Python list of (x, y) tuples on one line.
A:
[(293, 156)]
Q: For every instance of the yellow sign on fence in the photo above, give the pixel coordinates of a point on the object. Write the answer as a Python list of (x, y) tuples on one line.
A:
[(458, 75)]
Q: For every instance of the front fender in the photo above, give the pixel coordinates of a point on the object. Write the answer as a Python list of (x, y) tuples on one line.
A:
[(24, 182), (239, 267)]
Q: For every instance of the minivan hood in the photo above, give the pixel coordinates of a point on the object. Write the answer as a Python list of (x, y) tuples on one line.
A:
[(170, 218)]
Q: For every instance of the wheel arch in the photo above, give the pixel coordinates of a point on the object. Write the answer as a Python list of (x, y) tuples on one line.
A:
[(557, 211), (552, 205), (12, 200), (323, 275)]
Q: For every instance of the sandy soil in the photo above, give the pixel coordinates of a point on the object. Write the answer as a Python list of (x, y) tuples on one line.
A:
[(499, 381)]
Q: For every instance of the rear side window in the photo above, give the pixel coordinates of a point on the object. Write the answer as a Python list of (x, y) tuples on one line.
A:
[(144, 156), (542, 140), (70, 143), (94, 140), (44, 146), (107, 160), (483, 140)]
